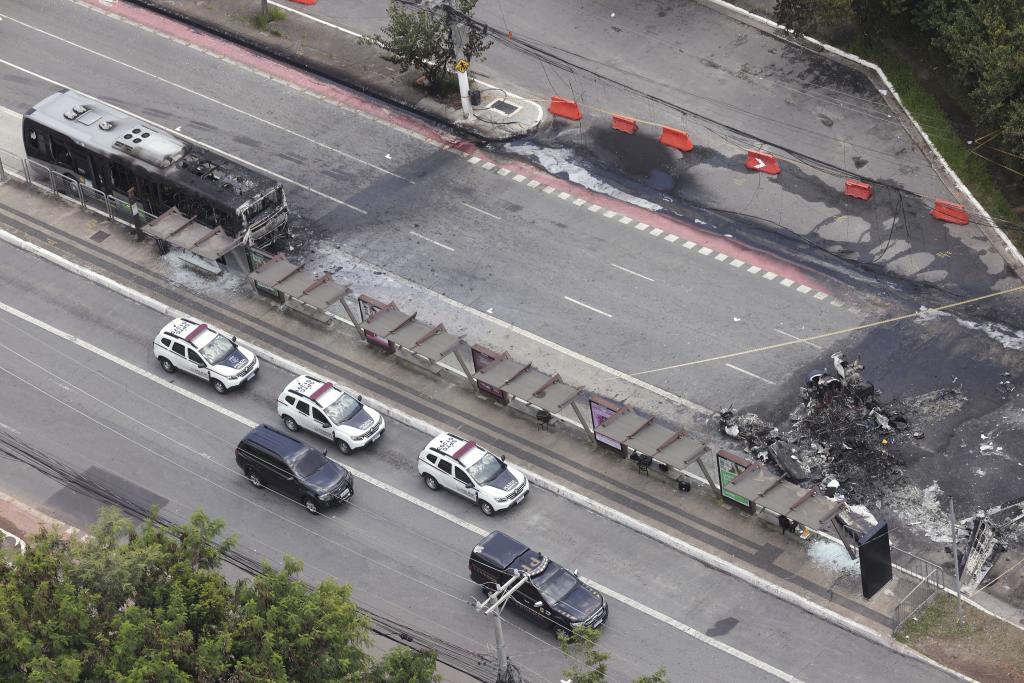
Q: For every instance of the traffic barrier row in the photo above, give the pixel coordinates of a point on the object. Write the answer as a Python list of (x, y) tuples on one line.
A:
[(761, 162)]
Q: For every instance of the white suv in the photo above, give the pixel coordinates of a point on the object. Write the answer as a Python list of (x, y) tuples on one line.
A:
[(453, 463), (205, 352), (324, 409)]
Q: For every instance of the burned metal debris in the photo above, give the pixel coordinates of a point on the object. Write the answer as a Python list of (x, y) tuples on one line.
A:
[(840, 435)]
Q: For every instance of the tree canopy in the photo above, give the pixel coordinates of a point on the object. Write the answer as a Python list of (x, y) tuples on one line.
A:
[(420, 38), (151, 604)]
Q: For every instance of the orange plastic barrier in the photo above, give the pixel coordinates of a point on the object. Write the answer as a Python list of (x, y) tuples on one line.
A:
[(671, 137), (763, 162), (858, 190), (624, 123), (948, 212), (567, 109), (305, 2)]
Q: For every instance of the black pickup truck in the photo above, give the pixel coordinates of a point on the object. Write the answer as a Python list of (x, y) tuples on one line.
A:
[(552, 594)]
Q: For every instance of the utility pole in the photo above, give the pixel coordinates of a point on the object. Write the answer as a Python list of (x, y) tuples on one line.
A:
[(493, 605), (956, 566), (460, 36)]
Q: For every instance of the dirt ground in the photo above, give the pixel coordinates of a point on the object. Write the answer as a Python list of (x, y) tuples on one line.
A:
[(985, 649)]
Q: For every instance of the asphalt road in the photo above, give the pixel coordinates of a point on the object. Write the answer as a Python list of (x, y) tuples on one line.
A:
[(630, 300), (81, 384)]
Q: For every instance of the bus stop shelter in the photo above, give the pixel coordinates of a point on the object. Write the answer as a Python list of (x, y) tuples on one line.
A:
[(174, 228), (806, 507), (392, 329), (299, 289), (534, 387), (646, 439)]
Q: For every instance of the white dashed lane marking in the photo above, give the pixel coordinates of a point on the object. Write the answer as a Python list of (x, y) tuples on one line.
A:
[(588, 306), (427, 239), (486, 213), (631, 272), (748, 372)]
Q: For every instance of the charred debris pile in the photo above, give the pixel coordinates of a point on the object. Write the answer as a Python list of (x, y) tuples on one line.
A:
[(840, 434)]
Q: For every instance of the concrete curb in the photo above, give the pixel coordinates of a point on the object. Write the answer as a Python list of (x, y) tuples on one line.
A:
[(694, 552), (1015, 258), (320, 70), (41, 516)]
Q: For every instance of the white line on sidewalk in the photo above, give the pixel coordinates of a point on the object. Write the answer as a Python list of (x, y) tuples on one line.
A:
[(454, 519), (787, 334), (486, 213), (580, 303), (748, 372), (179, 134), (435, 242), (631, 272)]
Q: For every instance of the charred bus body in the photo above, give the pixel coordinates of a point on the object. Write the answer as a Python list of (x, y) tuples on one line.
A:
[(118, 155)]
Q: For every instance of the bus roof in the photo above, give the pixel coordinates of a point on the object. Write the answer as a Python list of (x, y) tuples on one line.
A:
[(114, 134)]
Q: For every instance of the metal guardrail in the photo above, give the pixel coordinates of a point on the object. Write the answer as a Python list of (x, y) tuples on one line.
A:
[(29, 172), (932, 580)]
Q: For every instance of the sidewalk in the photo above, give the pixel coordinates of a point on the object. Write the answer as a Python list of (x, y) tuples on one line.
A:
[(817, 576), (315, 48)]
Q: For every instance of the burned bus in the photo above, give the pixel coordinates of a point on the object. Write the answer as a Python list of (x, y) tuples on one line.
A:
[(123, 158)]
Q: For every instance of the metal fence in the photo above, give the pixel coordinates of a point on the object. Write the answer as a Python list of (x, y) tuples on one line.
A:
[(66, 187), (931, 580)]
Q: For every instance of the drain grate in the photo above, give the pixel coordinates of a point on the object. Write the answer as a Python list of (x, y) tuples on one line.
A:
[(99, 236), (504, 107)]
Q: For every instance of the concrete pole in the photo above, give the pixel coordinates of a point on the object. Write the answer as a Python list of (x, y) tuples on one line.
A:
[(499, 644), (956, 566), (467, 107)]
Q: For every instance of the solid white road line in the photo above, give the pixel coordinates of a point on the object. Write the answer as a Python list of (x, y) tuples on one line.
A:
[(221, 103), (223, 153), (747, 372), (630, 602), (486, 213), (595, 310), (434, 242), (631, 272), (787, 334)]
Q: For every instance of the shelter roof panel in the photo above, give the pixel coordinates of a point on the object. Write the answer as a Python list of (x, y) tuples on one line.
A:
[(527, 383), (816, 512), (387, 320), (438, 346), (649, 439), (274, 271), (411, 332), (554, 397), (621, 426), (681, 452), (753, 482), (500, 372)]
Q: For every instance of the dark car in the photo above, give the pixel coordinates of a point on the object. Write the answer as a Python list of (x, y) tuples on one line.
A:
[(278, 460), (552, 594)]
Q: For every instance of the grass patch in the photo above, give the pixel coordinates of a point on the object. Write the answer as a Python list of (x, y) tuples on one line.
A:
[(926, 110), (984, 647), (264, 21)]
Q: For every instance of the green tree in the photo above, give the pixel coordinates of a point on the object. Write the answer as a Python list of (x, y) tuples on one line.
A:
[(419, 38), (404, 665), (589, 664), (152, 605)]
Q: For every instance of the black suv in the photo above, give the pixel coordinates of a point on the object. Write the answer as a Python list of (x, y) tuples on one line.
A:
[(273, 458), (552, 594)]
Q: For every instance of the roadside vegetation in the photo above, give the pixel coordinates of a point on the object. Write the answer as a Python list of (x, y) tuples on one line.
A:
[(151, 604), (959, 69), (983, 647), (265, 18)]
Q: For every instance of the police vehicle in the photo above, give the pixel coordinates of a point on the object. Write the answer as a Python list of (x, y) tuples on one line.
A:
[(205, 352), (462, 466), (322, 408), (552, 594)]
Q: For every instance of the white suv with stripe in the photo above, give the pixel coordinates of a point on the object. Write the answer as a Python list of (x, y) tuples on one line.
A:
[(322, 408), (206, 352), (473, 472)]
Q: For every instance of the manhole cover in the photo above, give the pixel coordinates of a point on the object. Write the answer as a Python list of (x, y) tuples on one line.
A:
[(504, 107), (99, 236)]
